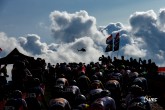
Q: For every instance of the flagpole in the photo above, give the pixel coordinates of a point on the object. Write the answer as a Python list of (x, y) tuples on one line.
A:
[(111, 54), (119, 48), (117, 43), (117, 53)]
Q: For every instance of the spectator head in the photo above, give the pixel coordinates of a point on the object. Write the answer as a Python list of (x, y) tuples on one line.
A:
[(133, 75), (80, 99), (122, 67), (73, 82), (105, 93), (122, 57), (17, 94), (94, 77), (95, 84), (36, 81), (136, 90)]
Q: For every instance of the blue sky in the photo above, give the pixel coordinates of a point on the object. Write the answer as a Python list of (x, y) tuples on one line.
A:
[(55, 29), (20, 17)]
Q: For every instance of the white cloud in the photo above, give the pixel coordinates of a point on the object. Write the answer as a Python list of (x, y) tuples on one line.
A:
[(160, 55), (63, 52), (67, 52), (32, 44), (144, 37), (147, 26), (66, 27), (43, 25), (143, 21), (112, 27), (162, 18), (134, 51), (7, 44)]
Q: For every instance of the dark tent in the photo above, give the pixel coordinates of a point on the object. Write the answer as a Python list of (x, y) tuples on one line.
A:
[(14, 56)]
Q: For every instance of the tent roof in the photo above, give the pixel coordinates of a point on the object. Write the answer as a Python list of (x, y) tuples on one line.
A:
[(14, 56)]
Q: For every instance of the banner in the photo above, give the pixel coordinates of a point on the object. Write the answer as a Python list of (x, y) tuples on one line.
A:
[(109, 48), (116, 42), (109, 41)]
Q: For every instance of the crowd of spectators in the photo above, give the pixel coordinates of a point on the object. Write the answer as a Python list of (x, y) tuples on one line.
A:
[(109, 84)]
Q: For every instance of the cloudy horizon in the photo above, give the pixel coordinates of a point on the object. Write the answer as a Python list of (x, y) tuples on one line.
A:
[(142, 38)]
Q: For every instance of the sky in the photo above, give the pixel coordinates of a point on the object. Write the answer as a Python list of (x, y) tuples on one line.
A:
[(55, 29)]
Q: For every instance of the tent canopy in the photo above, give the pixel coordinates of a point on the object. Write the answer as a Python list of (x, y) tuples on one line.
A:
[(14, 56)]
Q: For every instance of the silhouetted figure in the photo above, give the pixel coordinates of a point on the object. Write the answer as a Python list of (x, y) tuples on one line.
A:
[(103, 59), (20, 73)]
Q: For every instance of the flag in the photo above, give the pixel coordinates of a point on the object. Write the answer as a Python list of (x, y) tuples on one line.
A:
[(109, 48), (109, 39), (116, 42)]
